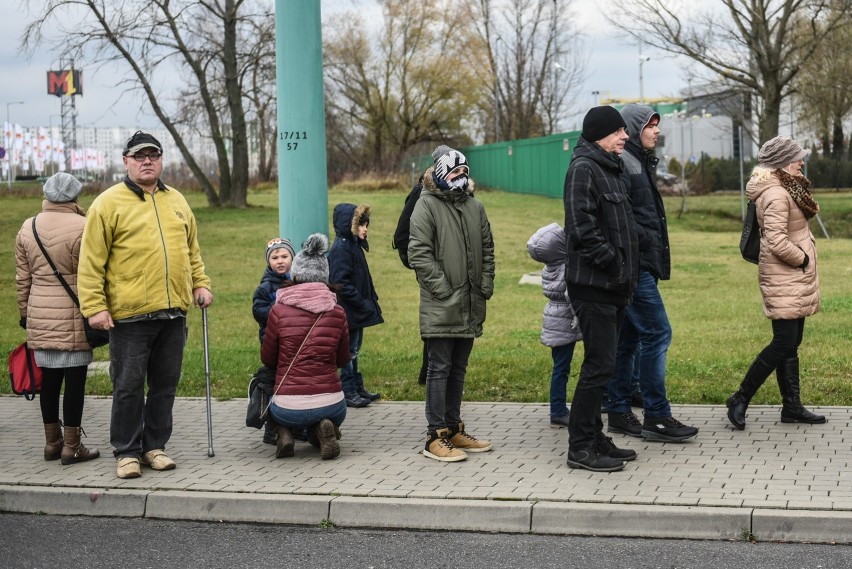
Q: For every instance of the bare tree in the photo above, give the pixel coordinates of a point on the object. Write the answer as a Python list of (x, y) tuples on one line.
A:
[(390, 90), (824, 89), (756, 46), (149, 37), (534, 62)]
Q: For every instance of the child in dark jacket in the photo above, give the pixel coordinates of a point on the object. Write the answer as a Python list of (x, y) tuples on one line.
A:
[(350, 273), (279, 259)]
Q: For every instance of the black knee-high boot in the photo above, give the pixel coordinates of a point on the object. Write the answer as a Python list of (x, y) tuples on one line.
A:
[(788, 382), (738, 402)]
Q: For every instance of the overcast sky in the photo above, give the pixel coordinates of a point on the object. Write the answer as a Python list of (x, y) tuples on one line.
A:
[(613, 69)]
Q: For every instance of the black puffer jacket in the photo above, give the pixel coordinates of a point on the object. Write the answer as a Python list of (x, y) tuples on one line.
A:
[(603, 248), (264, 297), (640, 167), (348, 268)]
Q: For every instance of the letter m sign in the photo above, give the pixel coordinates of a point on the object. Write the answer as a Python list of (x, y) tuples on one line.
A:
[(68, 82)]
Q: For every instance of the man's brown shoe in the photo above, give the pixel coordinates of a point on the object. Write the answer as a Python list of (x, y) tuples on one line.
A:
[(128, 467), (157, 459), (440, 448), (468, 443)]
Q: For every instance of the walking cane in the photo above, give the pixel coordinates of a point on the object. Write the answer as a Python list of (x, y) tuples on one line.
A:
[(207, 377)]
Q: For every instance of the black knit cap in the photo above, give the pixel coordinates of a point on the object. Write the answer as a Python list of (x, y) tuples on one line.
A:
[(141, 140), (600, 122)]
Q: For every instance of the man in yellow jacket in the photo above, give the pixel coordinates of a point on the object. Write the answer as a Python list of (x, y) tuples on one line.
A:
[(140, 271)]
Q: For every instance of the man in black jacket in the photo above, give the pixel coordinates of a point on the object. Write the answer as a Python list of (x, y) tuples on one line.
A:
[(601, 271), (646, 323)]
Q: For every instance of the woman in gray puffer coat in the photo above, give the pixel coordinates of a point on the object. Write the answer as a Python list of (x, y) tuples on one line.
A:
[(787, 274), (559, 329)]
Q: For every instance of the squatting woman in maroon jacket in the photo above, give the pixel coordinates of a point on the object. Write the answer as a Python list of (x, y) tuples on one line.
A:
[(307, 340)]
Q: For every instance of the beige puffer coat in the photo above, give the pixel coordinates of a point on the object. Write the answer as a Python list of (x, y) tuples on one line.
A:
[(53, 321), (788, 291)]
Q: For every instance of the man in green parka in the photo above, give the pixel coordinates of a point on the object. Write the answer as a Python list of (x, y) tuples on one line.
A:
[(452, 251)]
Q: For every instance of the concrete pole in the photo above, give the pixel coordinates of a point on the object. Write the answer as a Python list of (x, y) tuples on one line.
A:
[(302, 178)]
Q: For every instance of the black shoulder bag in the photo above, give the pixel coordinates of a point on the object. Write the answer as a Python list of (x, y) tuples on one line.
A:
[(750, 238), (96, 338)]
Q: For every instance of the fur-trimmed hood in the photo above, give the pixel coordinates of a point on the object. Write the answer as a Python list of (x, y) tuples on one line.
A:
[(346, 219)]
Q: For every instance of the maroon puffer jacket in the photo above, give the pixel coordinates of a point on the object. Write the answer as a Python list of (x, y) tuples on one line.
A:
[(326, 350)]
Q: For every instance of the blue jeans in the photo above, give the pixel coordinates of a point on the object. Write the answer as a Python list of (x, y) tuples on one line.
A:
[(646, 324), (152, 350), (304, 418), (562, 356), (348, 373)]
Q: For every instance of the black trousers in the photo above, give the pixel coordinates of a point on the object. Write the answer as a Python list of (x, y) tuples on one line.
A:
[(599, 323)]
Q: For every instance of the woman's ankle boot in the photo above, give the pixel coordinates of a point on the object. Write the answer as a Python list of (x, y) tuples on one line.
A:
[(74, 451), (284, 444), (788, 382), (53, 441), (738, 402)]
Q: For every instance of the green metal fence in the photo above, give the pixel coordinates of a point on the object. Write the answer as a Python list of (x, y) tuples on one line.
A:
[(528, 166)]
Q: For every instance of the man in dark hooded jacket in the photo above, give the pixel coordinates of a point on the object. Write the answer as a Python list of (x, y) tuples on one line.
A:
[(646, 323), (601, 271), (348, 270)]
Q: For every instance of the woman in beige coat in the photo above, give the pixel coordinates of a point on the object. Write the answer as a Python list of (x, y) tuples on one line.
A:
[(787, 274), (53, 322)]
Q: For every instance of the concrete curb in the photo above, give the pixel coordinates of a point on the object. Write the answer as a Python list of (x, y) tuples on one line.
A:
[(73, 501), (234, 507), (623, 520), (424, 513), (802, 526)]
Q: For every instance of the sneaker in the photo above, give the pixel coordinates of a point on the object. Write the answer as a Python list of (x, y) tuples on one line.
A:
[(636, 400), (439, 448), (591, 459), (666, 429), (560, 421), (355, 400), (157, 459), (468, 443), (624, 423), (605, 446), (128, 467)]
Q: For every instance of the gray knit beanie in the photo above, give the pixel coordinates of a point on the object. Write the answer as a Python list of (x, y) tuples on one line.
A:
[(310, 264), (279, 243), (779, 152), (446, 160), (62, 187)]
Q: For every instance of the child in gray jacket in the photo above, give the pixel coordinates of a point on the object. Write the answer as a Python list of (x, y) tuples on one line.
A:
[(559, 329)]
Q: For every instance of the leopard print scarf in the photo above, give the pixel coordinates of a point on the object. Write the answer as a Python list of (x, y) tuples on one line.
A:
[(797, 187)]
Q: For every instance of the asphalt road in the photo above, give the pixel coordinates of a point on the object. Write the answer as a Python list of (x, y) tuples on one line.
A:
[(38, 541)]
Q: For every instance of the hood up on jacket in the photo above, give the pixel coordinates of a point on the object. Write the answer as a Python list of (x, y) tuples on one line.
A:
[(637, 117), (346, 219), (547, 245)]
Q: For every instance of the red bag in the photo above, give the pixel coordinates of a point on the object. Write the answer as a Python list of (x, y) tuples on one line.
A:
[(24, 373)]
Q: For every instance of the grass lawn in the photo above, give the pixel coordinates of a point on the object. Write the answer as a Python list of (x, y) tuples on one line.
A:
[(713, 302)]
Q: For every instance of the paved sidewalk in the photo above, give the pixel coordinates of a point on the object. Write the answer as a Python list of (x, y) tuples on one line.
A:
[(773, 481)]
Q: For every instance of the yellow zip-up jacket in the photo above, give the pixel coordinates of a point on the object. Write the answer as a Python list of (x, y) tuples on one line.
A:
[(139, 253)]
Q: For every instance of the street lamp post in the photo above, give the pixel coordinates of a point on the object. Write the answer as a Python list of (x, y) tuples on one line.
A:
[(12, 140), (557, 69), (642, 60), (52, 142)]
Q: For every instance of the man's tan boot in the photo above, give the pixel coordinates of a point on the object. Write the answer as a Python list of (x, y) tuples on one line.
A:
[(468, 443), (440, 448), (73, 451), (53, 441)]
